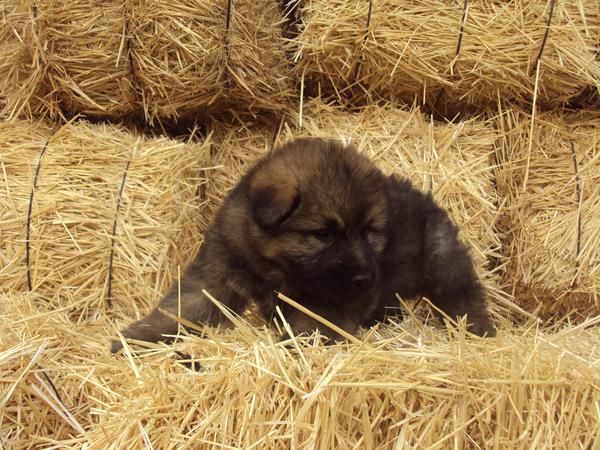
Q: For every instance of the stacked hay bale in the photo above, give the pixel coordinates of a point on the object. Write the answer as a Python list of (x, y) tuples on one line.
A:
[(95, 217), (63, 59), (549, 173), (449, 54), (169, 59)]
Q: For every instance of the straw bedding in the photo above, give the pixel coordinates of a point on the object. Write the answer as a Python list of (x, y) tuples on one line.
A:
[(453, 161), (167, 59), (404, 386), (450, 53), (549, 173), (95, 218)]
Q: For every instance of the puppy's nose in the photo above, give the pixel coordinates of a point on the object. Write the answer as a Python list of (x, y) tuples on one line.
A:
[(362, 280)]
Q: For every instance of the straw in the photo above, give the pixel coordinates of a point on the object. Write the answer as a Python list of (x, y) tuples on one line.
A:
[(178, 53), (96, 218), (409, 385), (449, 55), (165, 60), (549, 173)]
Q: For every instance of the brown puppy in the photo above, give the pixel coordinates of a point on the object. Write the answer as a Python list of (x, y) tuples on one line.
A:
[(319, 222)]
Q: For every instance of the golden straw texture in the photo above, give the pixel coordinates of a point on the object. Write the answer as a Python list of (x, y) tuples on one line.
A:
[(178, 54), (60, 59), (162, 59), (94, 217), (403, 386), (23, 82), (258, 69), (549, 173), (444, 54), (87, 56)]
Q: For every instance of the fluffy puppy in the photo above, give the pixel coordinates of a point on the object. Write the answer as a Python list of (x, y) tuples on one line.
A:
[(321, 223)]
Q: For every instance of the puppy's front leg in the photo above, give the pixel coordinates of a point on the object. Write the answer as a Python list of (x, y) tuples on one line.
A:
[(449, 278), (302, 323), (192, 306)]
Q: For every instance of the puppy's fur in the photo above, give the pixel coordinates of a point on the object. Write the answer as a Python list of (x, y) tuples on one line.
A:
[(319, 222)]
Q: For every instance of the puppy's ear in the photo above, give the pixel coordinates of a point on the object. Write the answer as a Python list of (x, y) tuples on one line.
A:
[(274, 196)]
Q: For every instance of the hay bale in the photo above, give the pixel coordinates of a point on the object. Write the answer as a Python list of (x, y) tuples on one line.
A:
[(20, 149), (453, 161), (258, 70), (446, 54), (88, 63), (406, 385), (549, 173), (177, 53), (96, 218), (63, 59), (23, 84), (194, 54), (167, 59)]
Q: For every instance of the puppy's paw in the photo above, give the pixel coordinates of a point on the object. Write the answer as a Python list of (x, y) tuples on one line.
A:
[(481, 326), (135, 331), (115, 346), (151, 328)]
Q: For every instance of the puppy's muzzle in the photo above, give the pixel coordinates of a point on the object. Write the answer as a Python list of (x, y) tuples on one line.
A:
[(363, 280)]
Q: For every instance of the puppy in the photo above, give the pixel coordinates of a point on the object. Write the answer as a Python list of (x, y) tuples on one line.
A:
[(321, 223)]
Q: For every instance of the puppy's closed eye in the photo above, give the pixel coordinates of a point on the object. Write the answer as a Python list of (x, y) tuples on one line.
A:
[(323, 233), (371, 230)]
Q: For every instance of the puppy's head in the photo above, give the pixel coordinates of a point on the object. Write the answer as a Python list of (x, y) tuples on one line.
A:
[(320, 212)]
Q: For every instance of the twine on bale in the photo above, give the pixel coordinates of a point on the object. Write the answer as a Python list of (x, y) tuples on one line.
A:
[(460, 33), (28, 226), (228, 16), (546, 33), (463, 20), (114, 230), (578, 199), (550, 224), (228, 12)]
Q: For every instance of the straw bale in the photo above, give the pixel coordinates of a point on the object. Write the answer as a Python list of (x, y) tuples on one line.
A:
[(257, 63), (63, 58), (177, 51), (405, 386), (88, 62), (23, 81), (549, 173), (192, 54), (96, 218), (453, 161), (169, 59), (20, 147), (446, 54)]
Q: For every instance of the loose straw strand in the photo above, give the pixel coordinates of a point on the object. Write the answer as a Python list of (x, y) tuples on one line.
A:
[(318, 318)]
